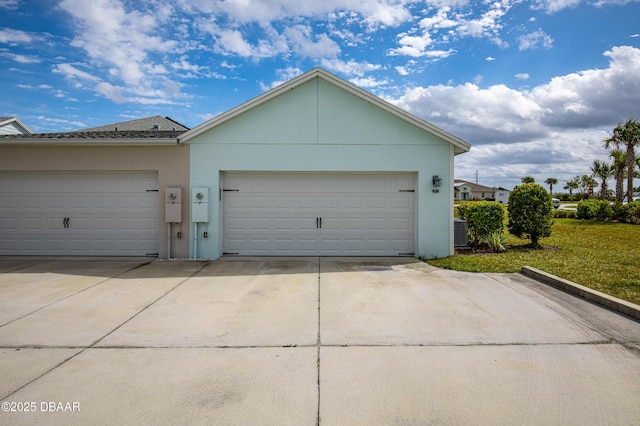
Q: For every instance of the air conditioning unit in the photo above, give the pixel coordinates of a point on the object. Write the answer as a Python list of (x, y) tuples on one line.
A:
[(460, 233)]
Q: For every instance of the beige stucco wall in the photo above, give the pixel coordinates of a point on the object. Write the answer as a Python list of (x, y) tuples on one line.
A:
[(171, 162)]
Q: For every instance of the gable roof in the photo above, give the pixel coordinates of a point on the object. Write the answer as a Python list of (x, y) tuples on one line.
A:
[(460, 146), (83, 138), (474, 186), (19, 125), (155, 123)]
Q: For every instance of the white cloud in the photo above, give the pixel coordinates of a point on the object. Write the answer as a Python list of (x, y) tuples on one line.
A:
[(446, 3), (415, 46), (587, 99), (490, 59), (440, 20), (559, 154), (560, 122), (120, 41), (9, 4), (372, 13), (594, 97), (22, 59), (552, 6), (522, 76), (39, 86), (71, 72), (119, 95), (446, 24), (8, 35), (535, 40), (488, 24), (402, 70), (284, 75), (61, 121), (490, 115), (350, 67), (369, 82), (232, 41), (301, 39)]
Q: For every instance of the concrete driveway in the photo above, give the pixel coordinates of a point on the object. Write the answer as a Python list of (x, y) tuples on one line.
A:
[(304, 341)]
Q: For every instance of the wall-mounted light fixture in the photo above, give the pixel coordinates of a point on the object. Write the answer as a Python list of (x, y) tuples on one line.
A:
[(436, 181)]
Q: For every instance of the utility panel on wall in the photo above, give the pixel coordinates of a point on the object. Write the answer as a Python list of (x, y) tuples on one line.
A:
[(173, 205), (199, 205)]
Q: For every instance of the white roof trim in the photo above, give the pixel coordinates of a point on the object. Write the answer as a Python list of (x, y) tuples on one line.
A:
[(459, 144), (18, 122)]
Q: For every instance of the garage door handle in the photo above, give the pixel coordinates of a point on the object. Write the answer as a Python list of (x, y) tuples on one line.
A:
[(320, 223), (317, 222), (65, 222)]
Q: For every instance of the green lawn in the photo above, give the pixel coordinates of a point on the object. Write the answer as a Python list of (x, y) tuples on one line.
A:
[(601, 255)]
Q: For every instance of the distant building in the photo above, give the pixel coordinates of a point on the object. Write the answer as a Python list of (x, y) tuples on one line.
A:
[(13, 126), (464, 191), (158, 123)]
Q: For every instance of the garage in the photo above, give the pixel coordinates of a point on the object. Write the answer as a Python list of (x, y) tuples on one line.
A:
[(325, 214), (79, 213), (319, 167)]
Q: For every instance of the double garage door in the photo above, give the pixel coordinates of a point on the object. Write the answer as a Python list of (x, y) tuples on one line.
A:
[(306, 214), (79, 213)]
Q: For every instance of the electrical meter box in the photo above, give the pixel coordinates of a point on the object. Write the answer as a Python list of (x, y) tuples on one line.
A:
[(199, 205), (173, 205)]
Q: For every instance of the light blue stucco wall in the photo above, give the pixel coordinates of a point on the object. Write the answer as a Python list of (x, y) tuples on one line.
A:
[(318, 127)]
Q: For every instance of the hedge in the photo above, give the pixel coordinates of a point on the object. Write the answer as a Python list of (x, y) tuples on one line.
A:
[(595, 209), (484, 218)]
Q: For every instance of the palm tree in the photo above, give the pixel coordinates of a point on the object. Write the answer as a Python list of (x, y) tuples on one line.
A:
[(587, 182), (619, 170), (571, 185), (627, 135), (603, 171), (551, 182), (528, 179)]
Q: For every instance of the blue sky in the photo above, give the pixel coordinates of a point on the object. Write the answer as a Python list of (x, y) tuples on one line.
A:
[(534, 86)]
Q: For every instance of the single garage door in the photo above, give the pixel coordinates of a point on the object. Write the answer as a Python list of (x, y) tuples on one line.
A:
[(302, 214), (79, 213)]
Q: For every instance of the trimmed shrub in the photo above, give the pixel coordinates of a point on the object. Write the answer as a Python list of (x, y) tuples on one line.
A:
[(484, 218), (530, 207), (634, 212), (621, 212), (594, 209)]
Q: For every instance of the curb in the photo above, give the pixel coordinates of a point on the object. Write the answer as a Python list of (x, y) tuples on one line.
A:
[(595, 296)]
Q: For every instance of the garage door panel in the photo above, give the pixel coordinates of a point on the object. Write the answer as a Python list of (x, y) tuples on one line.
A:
[(110, 213), (278, 213)]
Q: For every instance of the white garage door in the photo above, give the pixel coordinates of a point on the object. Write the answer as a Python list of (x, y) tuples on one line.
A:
[(79, 213), (302, 214)]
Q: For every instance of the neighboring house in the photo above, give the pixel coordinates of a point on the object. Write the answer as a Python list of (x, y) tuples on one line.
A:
[(13, 126), (317, 166), (92, 194), (502, 195), (157, 122), (464, 190)]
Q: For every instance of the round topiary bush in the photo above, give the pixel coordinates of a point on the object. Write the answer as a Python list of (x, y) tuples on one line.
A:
[(530, 212)]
